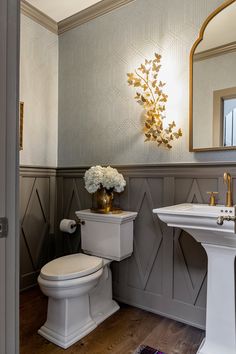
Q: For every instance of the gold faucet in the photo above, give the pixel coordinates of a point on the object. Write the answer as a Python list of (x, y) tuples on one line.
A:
[(228, 181)]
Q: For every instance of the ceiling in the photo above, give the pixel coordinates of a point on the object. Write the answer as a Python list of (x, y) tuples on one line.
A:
[(58, 10)]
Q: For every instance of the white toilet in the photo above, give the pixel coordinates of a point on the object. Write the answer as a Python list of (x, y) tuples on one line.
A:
[(79, 286)]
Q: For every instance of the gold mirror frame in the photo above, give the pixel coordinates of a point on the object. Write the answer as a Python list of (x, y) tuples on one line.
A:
[(200, 38)]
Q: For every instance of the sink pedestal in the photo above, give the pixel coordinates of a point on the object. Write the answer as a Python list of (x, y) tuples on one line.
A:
[(219, 241), (220, 318)]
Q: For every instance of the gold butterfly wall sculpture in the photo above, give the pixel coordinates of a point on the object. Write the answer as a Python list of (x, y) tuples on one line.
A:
[(152, 98)]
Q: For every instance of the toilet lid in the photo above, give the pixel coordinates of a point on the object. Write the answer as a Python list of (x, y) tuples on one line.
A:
[(70, 267)]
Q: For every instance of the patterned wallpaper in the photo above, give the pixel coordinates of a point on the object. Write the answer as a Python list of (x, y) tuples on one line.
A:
[(39, 91), (99, 120)]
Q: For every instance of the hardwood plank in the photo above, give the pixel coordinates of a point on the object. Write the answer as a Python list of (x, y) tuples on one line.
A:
[(122, 333), (174, 337)]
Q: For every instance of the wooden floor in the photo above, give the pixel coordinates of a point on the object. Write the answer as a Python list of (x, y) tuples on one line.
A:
[(122, 333)]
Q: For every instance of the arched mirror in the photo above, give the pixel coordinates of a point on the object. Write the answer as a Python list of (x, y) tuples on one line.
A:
[(213, 82)]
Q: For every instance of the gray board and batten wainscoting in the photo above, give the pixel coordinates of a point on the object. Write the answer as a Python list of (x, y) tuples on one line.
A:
[(167, 272), (37, 221)]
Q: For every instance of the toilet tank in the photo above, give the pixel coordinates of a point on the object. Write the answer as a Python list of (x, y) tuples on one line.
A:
[(107, 235)]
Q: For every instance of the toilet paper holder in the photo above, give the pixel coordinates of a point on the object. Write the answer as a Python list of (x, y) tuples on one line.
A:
[(69, 226), (78, 222)]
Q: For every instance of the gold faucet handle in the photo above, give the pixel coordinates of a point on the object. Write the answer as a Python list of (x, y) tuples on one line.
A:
[(212, 201), (229, 197), (227, 178)]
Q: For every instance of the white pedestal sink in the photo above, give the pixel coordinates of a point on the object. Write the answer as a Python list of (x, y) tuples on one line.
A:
[(219, 241)]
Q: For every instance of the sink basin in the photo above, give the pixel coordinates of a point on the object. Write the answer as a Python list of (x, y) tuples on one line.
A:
[(201, 217), (219, 241), (196, 209)]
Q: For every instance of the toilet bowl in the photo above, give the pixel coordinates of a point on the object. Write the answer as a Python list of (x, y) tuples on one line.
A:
[(79, 286), (70, 276), (67, 282)]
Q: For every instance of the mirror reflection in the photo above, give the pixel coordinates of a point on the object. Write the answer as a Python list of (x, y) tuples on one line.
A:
[(229, 121), (213, 86)]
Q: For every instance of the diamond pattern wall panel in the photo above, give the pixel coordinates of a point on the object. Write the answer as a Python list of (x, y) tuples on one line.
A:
[(148, 234), (37, 239), (74, 197), (189, 257), (167, 272)]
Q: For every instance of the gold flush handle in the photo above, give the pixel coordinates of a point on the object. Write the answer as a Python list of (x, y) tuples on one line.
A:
[(212, 201)]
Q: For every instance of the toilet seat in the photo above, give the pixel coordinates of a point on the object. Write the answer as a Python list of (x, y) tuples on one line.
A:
[(70, 267)]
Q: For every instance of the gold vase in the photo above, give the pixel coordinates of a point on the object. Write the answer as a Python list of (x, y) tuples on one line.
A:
[(104, 198)]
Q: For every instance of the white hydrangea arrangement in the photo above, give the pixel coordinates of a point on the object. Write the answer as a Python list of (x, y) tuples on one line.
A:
[(104, 177)]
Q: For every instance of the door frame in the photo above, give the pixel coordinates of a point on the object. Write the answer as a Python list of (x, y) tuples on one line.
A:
[(9, 58)]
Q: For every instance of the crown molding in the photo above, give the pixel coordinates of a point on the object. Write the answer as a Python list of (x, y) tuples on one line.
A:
[(38, 16), (96, 10), (92, 12), (214, 52)]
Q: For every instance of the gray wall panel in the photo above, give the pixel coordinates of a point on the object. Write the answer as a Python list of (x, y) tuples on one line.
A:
[(37, 205), (167, 271)]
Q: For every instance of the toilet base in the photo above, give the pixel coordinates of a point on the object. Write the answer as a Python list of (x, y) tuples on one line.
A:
[(66, 341), (101, 316), (68, 320), (101, 303)]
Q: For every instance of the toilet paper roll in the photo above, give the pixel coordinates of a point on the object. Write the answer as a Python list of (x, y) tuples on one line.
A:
[(67, 225)]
